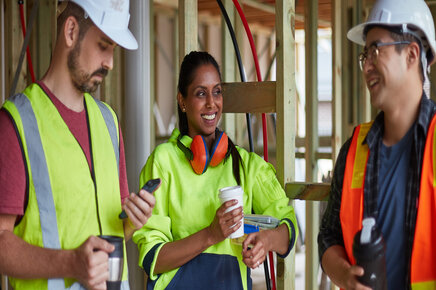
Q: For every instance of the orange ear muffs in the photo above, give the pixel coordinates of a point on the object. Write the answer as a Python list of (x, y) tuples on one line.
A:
[(199, 156), (219, 149)]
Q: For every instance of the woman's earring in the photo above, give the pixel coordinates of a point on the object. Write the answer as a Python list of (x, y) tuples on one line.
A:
[(183, 109)]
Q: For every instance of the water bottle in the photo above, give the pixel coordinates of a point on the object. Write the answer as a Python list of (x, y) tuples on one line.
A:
[(369, 252)]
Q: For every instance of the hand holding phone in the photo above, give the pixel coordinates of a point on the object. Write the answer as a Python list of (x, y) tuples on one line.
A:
[(150, 186)]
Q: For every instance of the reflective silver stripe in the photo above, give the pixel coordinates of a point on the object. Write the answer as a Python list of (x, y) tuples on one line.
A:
[(53, 284), (110, 124), (40, 177), (125, 285), (59, 284), (75, 286)]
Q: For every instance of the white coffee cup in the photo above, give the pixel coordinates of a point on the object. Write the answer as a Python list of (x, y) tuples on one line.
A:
[(229, 193)]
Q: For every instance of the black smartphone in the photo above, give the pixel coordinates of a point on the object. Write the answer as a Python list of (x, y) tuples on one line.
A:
[(149, 186)]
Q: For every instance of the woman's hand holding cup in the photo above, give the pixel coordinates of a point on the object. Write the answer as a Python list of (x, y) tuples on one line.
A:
[(226, 222)]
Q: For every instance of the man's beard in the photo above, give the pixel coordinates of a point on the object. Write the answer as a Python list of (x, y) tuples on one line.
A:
[(81, 79)]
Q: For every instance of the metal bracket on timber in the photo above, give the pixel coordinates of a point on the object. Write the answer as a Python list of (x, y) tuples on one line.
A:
[(308, 191), (249, 97)]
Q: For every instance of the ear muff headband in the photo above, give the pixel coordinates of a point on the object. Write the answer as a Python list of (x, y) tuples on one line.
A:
[(198, 155), (185, 150), (219, 149)]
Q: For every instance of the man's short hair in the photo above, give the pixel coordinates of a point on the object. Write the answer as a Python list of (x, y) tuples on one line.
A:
[(72, 9)]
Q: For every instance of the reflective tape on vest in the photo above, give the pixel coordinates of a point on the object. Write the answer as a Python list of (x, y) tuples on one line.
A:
[(110, 123), (40, 174)]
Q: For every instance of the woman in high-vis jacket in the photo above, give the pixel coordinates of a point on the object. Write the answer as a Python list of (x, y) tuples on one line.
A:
[(184, 244)]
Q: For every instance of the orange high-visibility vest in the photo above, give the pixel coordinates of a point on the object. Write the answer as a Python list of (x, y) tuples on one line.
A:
[(423, 265)]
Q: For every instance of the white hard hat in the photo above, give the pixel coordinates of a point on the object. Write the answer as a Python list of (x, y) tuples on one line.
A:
[(112, 18), (412, 16)]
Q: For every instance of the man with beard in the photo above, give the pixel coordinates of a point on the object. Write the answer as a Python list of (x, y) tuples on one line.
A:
[(386, 170), (62, 166)]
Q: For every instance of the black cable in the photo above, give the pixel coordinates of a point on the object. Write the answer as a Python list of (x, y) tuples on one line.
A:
[(24, 47), (266, 271), (247, 115), (241, 68)]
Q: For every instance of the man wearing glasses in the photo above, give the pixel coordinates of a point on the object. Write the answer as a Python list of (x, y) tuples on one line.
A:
[(386, 170)]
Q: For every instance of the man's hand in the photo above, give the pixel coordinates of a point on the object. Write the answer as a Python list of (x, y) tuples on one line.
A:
[(336, 265), (138, 208), (350, 278), (91, 266)]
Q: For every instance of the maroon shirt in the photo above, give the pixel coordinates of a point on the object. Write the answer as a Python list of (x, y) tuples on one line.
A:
[(12, 174)]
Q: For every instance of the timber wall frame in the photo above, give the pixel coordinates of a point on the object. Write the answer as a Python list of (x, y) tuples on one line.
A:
[(350, 102), (265, 97)]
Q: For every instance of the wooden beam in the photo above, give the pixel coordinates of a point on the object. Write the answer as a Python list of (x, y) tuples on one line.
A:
[(260, 6), (43, 37), (321, 22), (188, 27), (323, 141), (359, 102), (4, 282), (337, 70), (270, 9), (311, 57), (286, 124), (308, 191), (13, 41), (251, 97), (169, 3), (207, 18), (318, 155), (348, 113), (312, 208), (257, 5), (228, 63), (241, 118)]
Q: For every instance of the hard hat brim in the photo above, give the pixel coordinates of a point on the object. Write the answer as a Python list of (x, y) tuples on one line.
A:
[(355, 34), (123, 38)]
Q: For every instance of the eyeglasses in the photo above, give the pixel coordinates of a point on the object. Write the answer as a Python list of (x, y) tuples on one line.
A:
[(372, 52)]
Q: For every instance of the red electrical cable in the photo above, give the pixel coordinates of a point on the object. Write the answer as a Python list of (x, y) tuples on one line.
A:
[(264, 130), (259, 76), (23, 28)]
